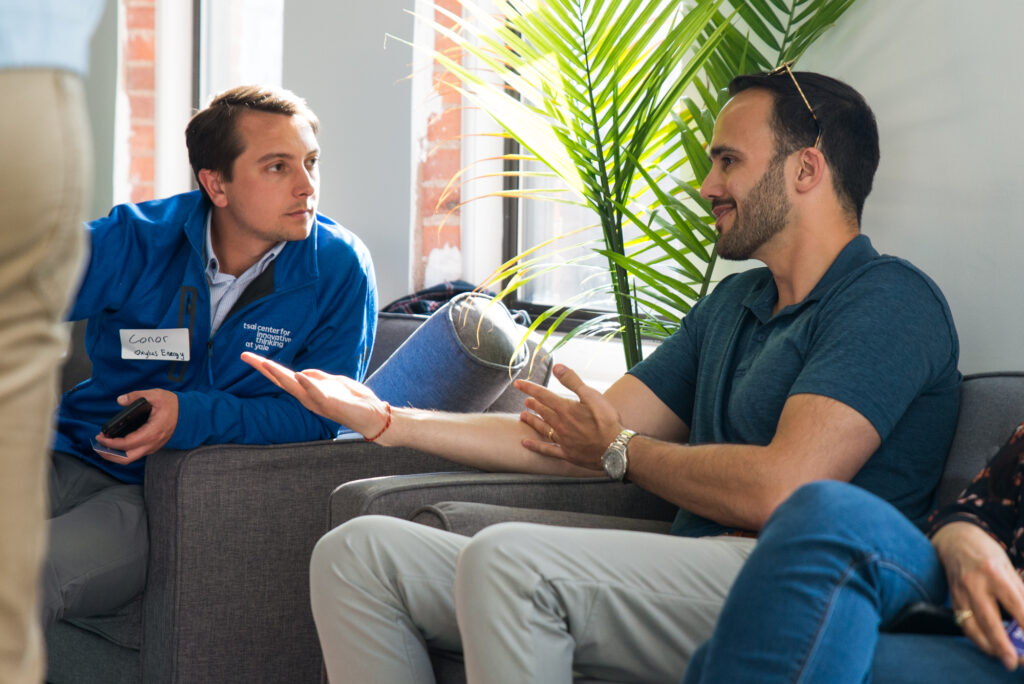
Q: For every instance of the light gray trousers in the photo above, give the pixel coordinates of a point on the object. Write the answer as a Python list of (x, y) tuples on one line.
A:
[(523, 603)]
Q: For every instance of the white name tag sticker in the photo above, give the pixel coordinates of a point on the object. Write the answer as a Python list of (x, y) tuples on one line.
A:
[(162, 344)]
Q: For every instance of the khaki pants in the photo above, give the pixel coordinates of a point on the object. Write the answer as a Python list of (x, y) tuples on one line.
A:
[(45, 163)]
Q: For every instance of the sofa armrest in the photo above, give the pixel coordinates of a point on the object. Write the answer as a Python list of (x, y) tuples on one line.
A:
[(402, 496), (231, 531), (467, 519)]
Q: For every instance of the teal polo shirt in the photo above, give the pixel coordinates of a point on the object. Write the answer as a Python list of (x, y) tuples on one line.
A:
[(875, 333)]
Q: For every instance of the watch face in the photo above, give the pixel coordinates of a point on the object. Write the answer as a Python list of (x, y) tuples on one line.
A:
[(614, 463)]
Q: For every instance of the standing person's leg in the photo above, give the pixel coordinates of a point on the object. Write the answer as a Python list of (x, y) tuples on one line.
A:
[(43, 185), (536, 602), (381, 592), (833, 564)]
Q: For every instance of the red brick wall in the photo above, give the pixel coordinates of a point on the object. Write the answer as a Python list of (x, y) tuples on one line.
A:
[(140, 87), (436, 222)]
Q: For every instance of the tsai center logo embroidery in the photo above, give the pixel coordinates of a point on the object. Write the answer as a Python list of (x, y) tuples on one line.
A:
[(266, 338)]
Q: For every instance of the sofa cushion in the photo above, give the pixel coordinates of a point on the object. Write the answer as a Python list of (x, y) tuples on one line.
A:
[(392, 330), (537, 370), (991, 407), (460, 359)]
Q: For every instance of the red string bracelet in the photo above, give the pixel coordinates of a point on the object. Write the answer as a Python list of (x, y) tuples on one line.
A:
[(387, 424)]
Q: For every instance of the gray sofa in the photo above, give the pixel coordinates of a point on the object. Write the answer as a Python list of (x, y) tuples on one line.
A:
[(231, 530), (992, 405)]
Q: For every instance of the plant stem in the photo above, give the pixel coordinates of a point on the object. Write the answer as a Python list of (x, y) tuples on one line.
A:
[(611, 220), (705, 282)]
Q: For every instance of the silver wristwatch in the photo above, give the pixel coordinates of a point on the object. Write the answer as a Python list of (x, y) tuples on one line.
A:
[(614, 460)]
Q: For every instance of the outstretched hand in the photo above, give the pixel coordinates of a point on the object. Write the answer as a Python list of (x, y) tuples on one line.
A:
[(577, 431), (336, 397), (981, 579)]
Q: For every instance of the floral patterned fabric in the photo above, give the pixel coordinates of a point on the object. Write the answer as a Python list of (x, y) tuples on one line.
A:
[(993, 500)]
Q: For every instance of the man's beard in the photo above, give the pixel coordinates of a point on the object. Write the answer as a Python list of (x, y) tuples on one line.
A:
[(764, 214)]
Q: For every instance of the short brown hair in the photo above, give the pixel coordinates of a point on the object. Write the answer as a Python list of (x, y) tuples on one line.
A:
[(212, 134)]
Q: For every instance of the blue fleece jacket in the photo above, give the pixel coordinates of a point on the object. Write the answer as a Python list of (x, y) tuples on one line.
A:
[(314, 307)]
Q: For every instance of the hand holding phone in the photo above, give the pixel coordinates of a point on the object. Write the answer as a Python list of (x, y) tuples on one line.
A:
[(128, 419), (141, 428)]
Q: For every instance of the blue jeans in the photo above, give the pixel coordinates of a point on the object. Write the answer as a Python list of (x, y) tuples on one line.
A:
[(833, 566)]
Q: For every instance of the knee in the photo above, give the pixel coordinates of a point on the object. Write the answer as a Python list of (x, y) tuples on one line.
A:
[(497, 545), (818, 503), (497, 555), (838, 515), (353, 551), (829, 496), (336, 544)]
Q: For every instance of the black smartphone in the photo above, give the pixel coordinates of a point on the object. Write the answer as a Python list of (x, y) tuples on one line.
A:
[(128, 419)]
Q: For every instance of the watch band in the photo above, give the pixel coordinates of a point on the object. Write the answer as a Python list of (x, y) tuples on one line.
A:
[(622, 439), (616, 459)]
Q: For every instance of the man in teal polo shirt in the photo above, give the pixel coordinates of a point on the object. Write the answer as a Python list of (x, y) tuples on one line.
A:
[(831, 363)]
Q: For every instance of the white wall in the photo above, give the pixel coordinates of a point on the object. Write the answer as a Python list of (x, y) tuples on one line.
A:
[(335, 55), (943, 79)]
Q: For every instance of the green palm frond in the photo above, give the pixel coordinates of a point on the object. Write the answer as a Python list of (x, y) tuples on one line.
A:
[(617, 98)]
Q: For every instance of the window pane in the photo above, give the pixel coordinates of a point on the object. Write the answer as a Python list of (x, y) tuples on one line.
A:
[(540, 221), (242, 43)]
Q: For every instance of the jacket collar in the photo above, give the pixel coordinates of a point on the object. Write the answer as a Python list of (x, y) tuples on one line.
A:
[(296, 265)]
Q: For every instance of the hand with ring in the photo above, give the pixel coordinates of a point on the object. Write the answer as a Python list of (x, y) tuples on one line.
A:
[(982, 582), (585, 424)]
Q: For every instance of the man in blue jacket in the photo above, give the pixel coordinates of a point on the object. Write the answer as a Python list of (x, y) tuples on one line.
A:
[(174, 291)]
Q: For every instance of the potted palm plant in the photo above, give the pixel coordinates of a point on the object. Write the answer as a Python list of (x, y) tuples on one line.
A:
[(618, 100)]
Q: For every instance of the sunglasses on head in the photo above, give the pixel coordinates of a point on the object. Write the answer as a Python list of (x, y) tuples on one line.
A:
[(786, 68)]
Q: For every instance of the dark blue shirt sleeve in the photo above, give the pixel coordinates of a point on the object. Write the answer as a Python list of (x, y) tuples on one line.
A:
[(882, 341), (671, 369)]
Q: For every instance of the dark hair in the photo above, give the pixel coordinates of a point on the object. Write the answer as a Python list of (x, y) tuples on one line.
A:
[(849, 135), (212, 134)]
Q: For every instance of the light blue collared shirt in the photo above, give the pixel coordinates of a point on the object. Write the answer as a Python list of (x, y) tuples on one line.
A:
[(47, 33), (226, 289)]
